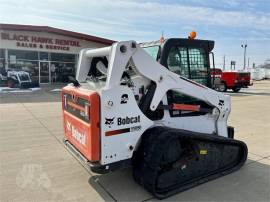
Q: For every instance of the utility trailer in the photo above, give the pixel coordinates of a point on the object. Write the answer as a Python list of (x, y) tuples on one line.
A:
[(234, 80)]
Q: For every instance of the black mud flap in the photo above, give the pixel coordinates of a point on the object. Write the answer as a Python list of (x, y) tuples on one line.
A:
[(169, 161)]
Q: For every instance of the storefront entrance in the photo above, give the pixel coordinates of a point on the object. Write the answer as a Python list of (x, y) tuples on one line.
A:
[(44, 72)]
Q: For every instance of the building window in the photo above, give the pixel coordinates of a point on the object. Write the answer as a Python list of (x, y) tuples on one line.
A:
[(24, 55), (32, 67), (2, 53), (62, 57), (24, 61), (43, 56), (60, 71), (2, 61), (62, 66)]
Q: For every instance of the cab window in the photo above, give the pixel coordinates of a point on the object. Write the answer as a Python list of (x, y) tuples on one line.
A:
[(189, 62), (152, 51), (198, 65), (178, 61)]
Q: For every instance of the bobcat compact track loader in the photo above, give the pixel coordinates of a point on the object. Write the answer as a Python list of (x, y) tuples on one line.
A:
[(127, 109)]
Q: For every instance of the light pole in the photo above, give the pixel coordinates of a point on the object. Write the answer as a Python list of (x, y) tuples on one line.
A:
[(224, 62), (245, 48)]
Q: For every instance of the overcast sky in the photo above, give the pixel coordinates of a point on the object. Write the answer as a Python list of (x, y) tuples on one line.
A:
[(229, 23)]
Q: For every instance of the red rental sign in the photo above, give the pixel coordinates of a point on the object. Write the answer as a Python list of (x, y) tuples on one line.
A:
[(40, 42)]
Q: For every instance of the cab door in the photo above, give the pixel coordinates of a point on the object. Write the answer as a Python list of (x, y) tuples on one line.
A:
[(193, 63)]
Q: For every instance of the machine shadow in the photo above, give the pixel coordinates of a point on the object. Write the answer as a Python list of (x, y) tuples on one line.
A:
[(253, 176), (119, 185)]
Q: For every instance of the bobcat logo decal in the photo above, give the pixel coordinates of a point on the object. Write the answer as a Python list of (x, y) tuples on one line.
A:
[(109, 121)]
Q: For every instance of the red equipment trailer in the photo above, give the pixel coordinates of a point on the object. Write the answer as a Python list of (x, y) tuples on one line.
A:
[(230, 80)]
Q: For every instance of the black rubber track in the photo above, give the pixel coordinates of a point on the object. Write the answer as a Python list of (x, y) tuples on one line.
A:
[(161, 145)]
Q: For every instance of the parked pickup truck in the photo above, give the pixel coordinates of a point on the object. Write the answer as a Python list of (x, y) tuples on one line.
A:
[(230, 80)]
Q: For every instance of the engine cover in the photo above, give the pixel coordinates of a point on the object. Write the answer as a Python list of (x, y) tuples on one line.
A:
[(81, 117)]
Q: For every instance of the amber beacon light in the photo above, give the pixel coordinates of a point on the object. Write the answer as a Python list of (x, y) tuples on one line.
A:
[(192, 35)]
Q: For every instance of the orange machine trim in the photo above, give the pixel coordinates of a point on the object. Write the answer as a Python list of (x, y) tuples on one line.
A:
[(116, 132), (186, 107)]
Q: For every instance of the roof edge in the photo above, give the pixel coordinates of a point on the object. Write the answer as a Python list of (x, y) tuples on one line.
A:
[(48, 29)]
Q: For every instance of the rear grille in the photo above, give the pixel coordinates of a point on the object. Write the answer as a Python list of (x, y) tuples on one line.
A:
[(78, 107)]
